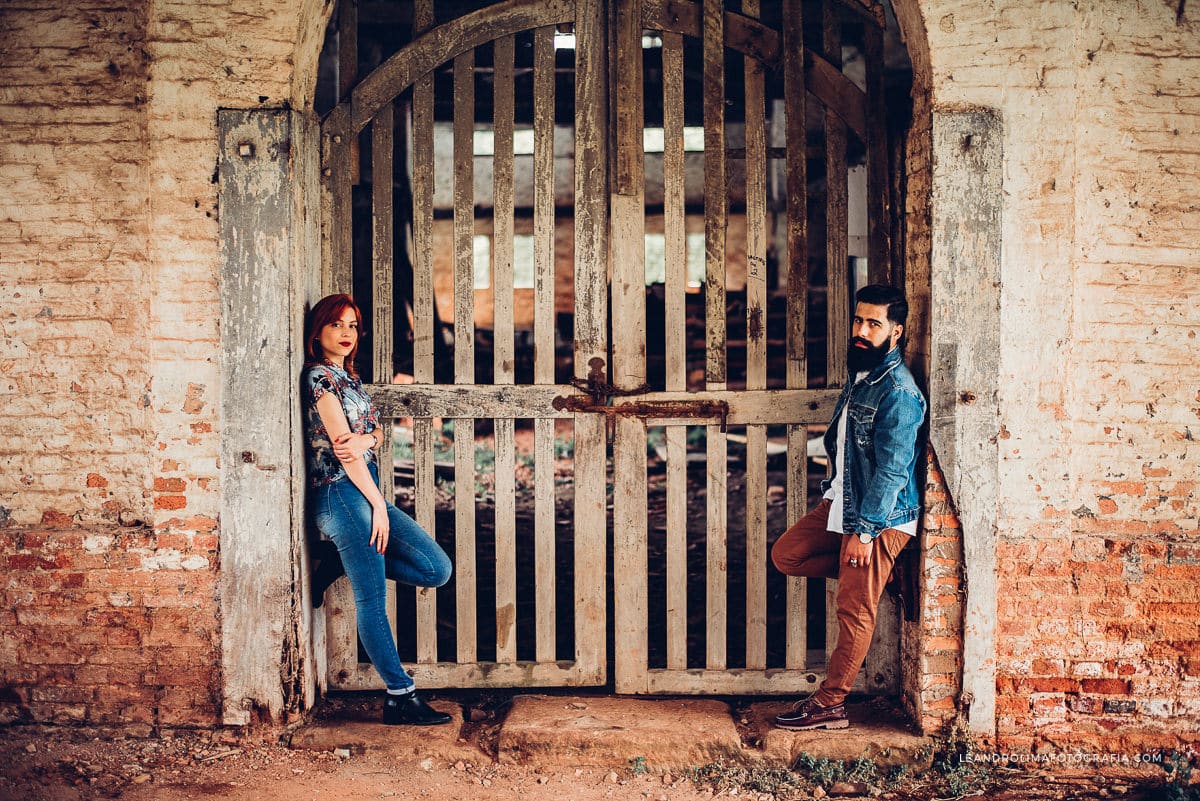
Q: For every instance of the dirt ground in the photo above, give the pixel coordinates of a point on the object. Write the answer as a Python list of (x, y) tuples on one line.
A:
[(64, 764)]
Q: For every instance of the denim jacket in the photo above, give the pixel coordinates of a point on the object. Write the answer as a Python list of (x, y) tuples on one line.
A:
[(886, 411)]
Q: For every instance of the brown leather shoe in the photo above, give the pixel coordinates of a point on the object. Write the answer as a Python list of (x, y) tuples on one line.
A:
[(809, 714)]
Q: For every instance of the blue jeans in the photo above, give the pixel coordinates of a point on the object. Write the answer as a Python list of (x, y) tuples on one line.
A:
[(412, 557)]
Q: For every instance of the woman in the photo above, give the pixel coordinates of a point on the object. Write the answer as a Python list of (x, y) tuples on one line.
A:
[(374, 539)]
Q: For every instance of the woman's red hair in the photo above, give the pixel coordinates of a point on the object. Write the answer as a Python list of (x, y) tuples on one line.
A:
[(330, 309)]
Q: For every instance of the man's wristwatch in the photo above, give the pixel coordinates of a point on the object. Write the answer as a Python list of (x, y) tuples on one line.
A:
[(865, 539)]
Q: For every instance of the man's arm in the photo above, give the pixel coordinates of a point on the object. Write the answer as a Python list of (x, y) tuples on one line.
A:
[(897, 423)]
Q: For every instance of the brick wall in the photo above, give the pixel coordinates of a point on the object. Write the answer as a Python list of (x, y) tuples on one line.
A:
[(109, 368), (932, 644), (1097, 632)]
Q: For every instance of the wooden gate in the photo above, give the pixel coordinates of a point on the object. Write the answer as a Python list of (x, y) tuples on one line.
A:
[(371, 106), (748, 400), (764, 180)]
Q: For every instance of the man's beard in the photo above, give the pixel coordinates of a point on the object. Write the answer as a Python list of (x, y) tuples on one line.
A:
[(870, 357)]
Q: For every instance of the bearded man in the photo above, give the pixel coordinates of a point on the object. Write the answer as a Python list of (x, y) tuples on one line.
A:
[(870, 506)]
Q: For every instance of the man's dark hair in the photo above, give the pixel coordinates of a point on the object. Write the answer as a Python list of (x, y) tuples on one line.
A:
[(884, 295)]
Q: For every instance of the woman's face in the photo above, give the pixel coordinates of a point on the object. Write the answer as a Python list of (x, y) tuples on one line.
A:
[(339, 337)]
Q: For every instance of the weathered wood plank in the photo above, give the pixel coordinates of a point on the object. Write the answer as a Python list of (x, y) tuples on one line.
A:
[(715, 199), (629, 349), (503, 350), (446, 41), (506, 541), (630, 635), (464, 352), (426, 517), (502, 210), (756, 355), (879, 268), (546, 645), (797, 193), (738, 682), (259, 540), (764, 407), (341, 265), (837, 311), (543, 541), (543, 205), (382, 293), (591, 315), (717, 559), (465, 574), (797, 300), (677, 547), (422, 171), (347, 47), (483, 675), (675, 346), (674, 214)]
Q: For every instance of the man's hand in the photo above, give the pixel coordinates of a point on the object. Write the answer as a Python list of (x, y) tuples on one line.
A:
[(857, 554)]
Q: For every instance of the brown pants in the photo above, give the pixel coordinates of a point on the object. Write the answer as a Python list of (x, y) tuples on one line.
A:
[(807, 549)]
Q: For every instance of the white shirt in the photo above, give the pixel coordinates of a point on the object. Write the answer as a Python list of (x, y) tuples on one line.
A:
[(834, 493)]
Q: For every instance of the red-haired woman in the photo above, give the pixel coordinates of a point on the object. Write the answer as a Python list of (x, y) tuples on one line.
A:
[(374, 539)]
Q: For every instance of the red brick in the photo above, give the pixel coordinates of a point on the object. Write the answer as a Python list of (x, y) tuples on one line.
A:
[(170, 502), (1105, 686), (169, 485), (1050, 685), (96, 480)]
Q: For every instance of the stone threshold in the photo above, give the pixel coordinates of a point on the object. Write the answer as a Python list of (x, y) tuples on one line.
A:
[(657, 734)]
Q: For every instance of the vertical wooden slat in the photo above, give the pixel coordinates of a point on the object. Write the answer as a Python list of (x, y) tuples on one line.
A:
[(629, 353), (543, 349), (591, 312), (341, 268), (464, 350), (423, 367), (502, 295), (878, 250), (382, 243), (756, 357), (675, 252), (837, 298), (715, 200), (797, 302), (715, 208), (347, 47)]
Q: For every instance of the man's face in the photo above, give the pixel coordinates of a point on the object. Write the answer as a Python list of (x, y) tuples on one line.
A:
[(872, 336)]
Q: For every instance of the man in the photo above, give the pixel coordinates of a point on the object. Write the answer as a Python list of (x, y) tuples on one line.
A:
[(870, 506)]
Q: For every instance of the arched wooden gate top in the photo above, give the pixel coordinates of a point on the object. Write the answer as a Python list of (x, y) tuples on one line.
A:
[(744, 34), (438, 46)]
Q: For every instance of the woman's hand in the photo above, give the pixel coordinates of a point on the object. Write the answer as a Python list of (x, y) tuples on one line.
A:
[(351, 446), (379, 527)]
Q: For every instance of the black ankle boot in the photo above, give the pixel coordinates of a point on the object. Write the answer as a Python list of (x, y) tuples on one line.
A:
[(329, 569), (411, 710)]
